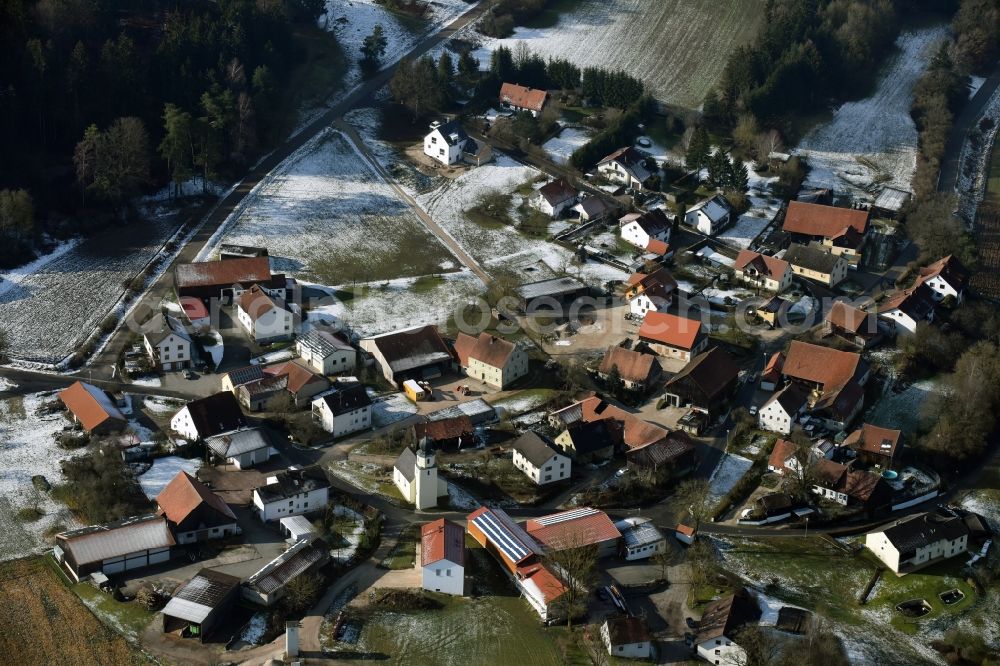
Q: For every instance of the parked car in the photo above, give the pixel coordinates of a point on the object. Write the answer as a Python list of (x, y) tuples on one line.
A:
[(190, 374), (753, 410)]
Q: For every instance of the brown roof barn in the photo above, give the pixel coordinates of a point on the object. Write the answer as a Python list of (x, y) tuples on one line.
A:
[(633, 366), (811, 219), (92, 408), (189, 505)]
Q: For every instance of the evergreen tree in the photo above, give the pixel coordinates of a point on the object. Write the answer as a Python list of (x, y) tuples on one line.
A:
[(445, 68), (696, 157), (373, 47), (502, 63), (468, 66), (177, 146)]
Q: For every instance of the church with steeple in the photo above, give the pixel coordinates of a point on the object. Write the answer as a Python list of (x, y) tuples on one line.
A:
[(415, 473)]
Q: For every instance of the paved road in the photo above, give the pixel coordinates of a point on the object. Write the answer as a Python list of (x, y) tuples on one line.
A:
[(948, 177)]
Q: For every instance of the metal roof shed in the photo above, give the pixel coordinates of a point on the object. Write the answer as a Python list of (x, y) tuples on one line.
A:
[(296, 527)]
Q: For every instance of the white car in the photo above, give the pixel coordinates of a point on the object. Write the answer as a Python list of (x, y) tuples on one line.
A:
[(753, 410)]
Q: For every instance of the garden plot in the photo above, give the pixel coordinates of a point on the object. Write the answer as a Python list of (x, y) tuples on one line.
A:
[(52, 304), (763, 209), (163, 471), (677, 47), (27, 449), (727, 474), (560, 148), (903, 410), (324, 214), (874, 141)]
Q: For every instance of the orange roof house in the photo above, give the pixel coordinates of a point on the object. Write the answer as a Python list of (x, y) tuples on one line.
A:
[(671, 335), (92, 408), (637, 370), (852, 324), (823, 366), (521, 98), (875, 445), (442, 540), (194, 511), (827, 222)]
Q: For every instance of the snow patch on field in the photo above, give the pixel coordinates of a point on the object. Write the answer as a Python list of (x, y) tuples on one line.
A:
[(903, 410), (727, 474), (560, 148), (874, 139), (163, 471), (28, 448)]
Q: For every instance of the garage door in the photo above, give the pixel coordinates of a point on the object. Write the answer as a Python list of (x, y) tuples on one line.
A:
[(113, 567), (156, 557), (136, 562)]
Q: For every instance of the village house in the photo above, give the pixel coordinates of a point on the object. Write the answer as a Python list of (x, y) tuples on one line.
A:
[(269, 585), (200, 604), (626, 166), (650, 292), (672, 455), (226, 279), (710, 216), (782, 410), (124, 545), (537, 458), (93, 409), (640, 538), (242, 449), (575, 528), (875, 445), (447, 143), (628, 429), (283, 385), (637, 371), (455, 433), (291, 492), (587, 441), (490, 359), (232, 380), (705, 384), (194, 512), (763, 271), (641, 228), (627, 637), (519, 98), (816, 263), (302, 382), (841, 231), (945, 277), (264, 317), (835, 377), (772, 311), (673, 336), (553, 198), (343, 410), (784, 457), (907, 308), (914, 542), (326, 352), (849, 487), (415, 474), (592, 209), (856, 326), (442, 557), (412, 353), (196, 314), (206, 417), (167, 343), (720, 622), (770, 377)]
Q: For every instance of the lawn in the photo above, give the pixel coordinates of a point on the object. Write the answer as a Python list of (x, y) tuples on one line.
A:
[(924, 584), (44, 623), (404, 554), (129, 619)]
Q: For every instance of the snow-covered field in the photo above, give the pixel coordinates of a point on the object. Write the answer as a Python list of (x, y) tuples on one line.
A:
[(903, 410), (52, 304), (561, 147), (163, 471), (326, 215), (28, 448), (727, 474), (677, 47), (874, 139), (763, 210)]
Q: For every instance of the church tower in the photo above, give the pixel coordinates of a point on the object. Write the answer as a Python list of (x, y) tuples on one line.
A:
[(426, 477)]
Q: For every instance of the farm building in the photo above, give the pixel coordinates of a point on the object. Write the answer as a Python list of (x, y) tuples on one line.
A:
[(640, 229), (232, 380), (890, 201), (781, 411), (269, 585), (519, 98), (640, 538), (442, 557), (628, 428), (587, 441), (92, 408), (856, 326), (111, 548), (207, 417), (816, 263), (553, 198), (627, 637), (650, 292), (456, 432), (491, 359), (194, 512), (412, 353), (536, 456), (479, 412), (575, 528), (637, 371), (200, 604), (242, 448), (848, 487), (292, 492), (553, 294), (907, 308), (264, 317), (626, 166), (673, 453), (343, 410), (709, 216), (705, 383), (447, 143), (592, 208), (167, 343), (720, 622), (673, 336), (761, 270), (226, 279), (326, 352), (841, 231)]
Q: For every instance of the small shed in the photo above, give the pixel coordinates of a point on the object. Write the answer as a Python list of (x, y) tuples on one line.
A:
[(296, 527), (200, 604)]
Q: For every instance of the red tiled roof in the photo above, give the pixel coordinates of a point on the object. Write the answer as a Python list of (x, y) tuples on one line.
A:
[(684, 529), (523, 98), (193, 308), (916, 302), (812, 363), (185, 495), (771, 267), (633, 366), (90, 404), (670, 330), (659, 247), (298, 376), (572, 529), (442, 540), (949, 269), (782, 451), (636, 431), (557, 191), (772, 371), (223, 272), (256, 302), (827, 221), (852, 319), (491, 350), (871, 438), (548, 585), (449, 428)]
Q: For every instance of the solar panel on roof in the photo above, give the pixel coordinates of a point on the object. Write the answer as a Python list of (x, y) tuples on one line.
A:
[(572, 514), (516, 547)]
